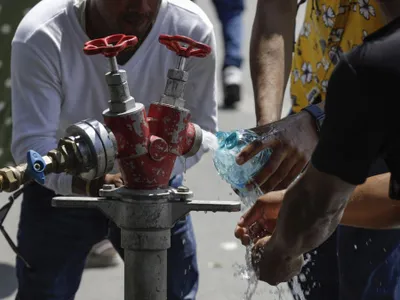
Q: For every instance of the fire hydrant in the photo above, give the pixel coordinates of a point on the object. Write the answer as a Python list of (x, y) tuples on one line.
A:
[(146, 148)]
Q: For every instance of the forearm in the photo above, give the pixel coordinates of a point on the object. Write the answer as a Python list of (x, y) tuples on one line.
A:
[(371, 207), (311, 210), (271, 55)]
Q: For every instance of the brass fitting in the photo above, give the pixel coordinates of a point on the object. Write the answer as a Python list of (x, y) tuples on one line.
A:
[(9, 180)]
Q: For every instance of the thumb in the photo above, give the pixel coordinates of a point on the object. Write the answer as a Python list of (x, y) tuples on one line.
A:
[(254, 148), (118, 180)]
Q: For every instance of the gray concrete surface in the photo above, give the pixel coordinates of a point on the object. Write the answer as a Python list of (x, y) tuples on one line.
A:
[(218, 250)]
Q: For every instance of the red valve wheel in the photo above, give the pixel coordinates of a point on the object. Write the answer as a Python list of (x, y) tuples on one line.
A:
[(111, 45), (193, 48)]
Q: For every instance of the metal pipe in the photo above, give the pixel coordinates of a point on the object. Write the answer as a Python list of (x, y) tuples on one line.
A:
[(181, 63), (145, 259), (145, 274), (113, 64)]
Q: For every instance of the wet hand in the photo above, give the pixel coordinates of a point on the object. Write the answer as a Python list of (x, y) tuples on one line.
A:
[(260, 220), (292, 141), (272, 265)]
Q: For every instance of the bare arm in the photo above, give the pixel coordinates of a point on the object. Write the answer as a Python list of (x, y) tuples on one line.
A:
[(271, 55), (371, 207), (311, 210)]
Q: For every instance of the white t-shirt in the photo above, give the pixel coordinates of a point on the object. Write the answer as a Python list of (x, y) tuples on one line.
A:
[(54, 84)]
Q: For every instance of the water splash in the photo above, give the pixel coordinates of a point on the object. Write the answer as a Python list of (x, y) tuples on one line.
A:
[(247, 271), (210, 141)]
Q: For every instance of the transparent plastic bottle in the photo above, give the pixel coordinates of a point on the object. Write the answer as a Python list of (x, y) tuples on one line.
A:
[(229, 146)]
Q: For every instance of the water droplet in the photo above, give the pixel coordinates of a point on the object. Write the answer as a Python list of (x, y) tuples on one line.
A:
[(355, 247)]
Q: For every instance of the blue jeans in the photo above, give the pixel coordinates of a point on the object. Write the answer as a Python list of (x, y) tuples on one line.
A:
[(230, 13), (56, 241)]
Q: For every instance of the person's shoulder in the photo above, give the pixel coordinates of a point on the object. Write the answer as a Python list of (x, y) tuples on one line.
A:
[(189, 14), (379, 49), (40, 20)]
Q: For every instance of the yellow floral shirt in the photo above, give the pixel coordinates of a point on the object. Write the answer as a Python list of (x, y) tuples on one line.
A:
[(330, 27)]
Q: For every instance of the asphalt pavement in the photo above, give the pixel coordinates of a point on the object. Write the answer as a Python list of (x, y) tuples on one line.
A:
[(219, 253)]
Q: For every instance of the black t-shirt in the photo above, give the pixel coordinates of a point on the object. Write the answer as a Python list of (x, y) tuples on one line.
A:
[(362, 121)]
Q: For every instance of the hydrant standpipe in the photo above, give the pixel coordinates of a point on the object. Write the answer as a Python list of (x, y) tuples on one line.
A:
[(146, 147)]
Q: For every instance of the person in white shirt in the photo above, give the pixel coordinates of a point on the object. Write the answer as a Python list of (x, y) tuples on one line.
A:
[(54, 85)]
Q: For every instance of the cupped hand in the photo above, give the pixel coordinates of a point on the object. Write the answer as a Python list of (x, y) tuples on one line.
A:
[(272, 266), (260, 220)]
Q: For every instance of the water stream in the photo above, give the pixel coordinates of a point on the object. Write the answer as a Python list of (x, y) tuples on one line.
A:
[(246, 271)]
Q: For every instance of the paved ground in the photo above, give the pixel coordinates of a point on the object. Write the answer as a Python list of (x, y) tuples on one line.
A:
[(217, 248)]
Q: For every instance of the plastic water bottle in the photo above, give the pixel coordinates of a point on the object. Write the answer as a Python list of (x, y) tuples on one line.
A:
[(230, 144)]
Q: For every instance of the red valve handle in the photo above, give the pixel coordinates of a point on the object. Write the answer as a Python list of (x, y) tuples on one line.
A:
[(111, 45), (193, 48)]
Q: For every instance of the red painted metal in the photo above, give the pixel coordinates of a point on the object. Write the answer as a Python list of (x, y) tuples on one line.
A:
[(184, 46), (111, 45), (149, 145)]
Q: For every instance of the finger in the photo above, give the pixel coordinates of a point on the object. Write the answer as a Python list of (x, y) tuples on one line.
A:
[(255, 147), (241, 234), (296, 170), (252, 215), (259, 230), (246, 240), (279, 175), (276, 159)]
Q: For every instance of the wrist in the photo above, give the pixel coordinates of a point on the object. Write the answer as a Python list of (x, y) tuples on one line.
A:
[(267, 119), (316, 115), (277, 250)]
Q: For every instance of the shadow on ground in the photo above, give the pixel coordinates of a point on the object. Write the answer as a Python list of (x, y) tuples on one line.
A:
[(8, 282)]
